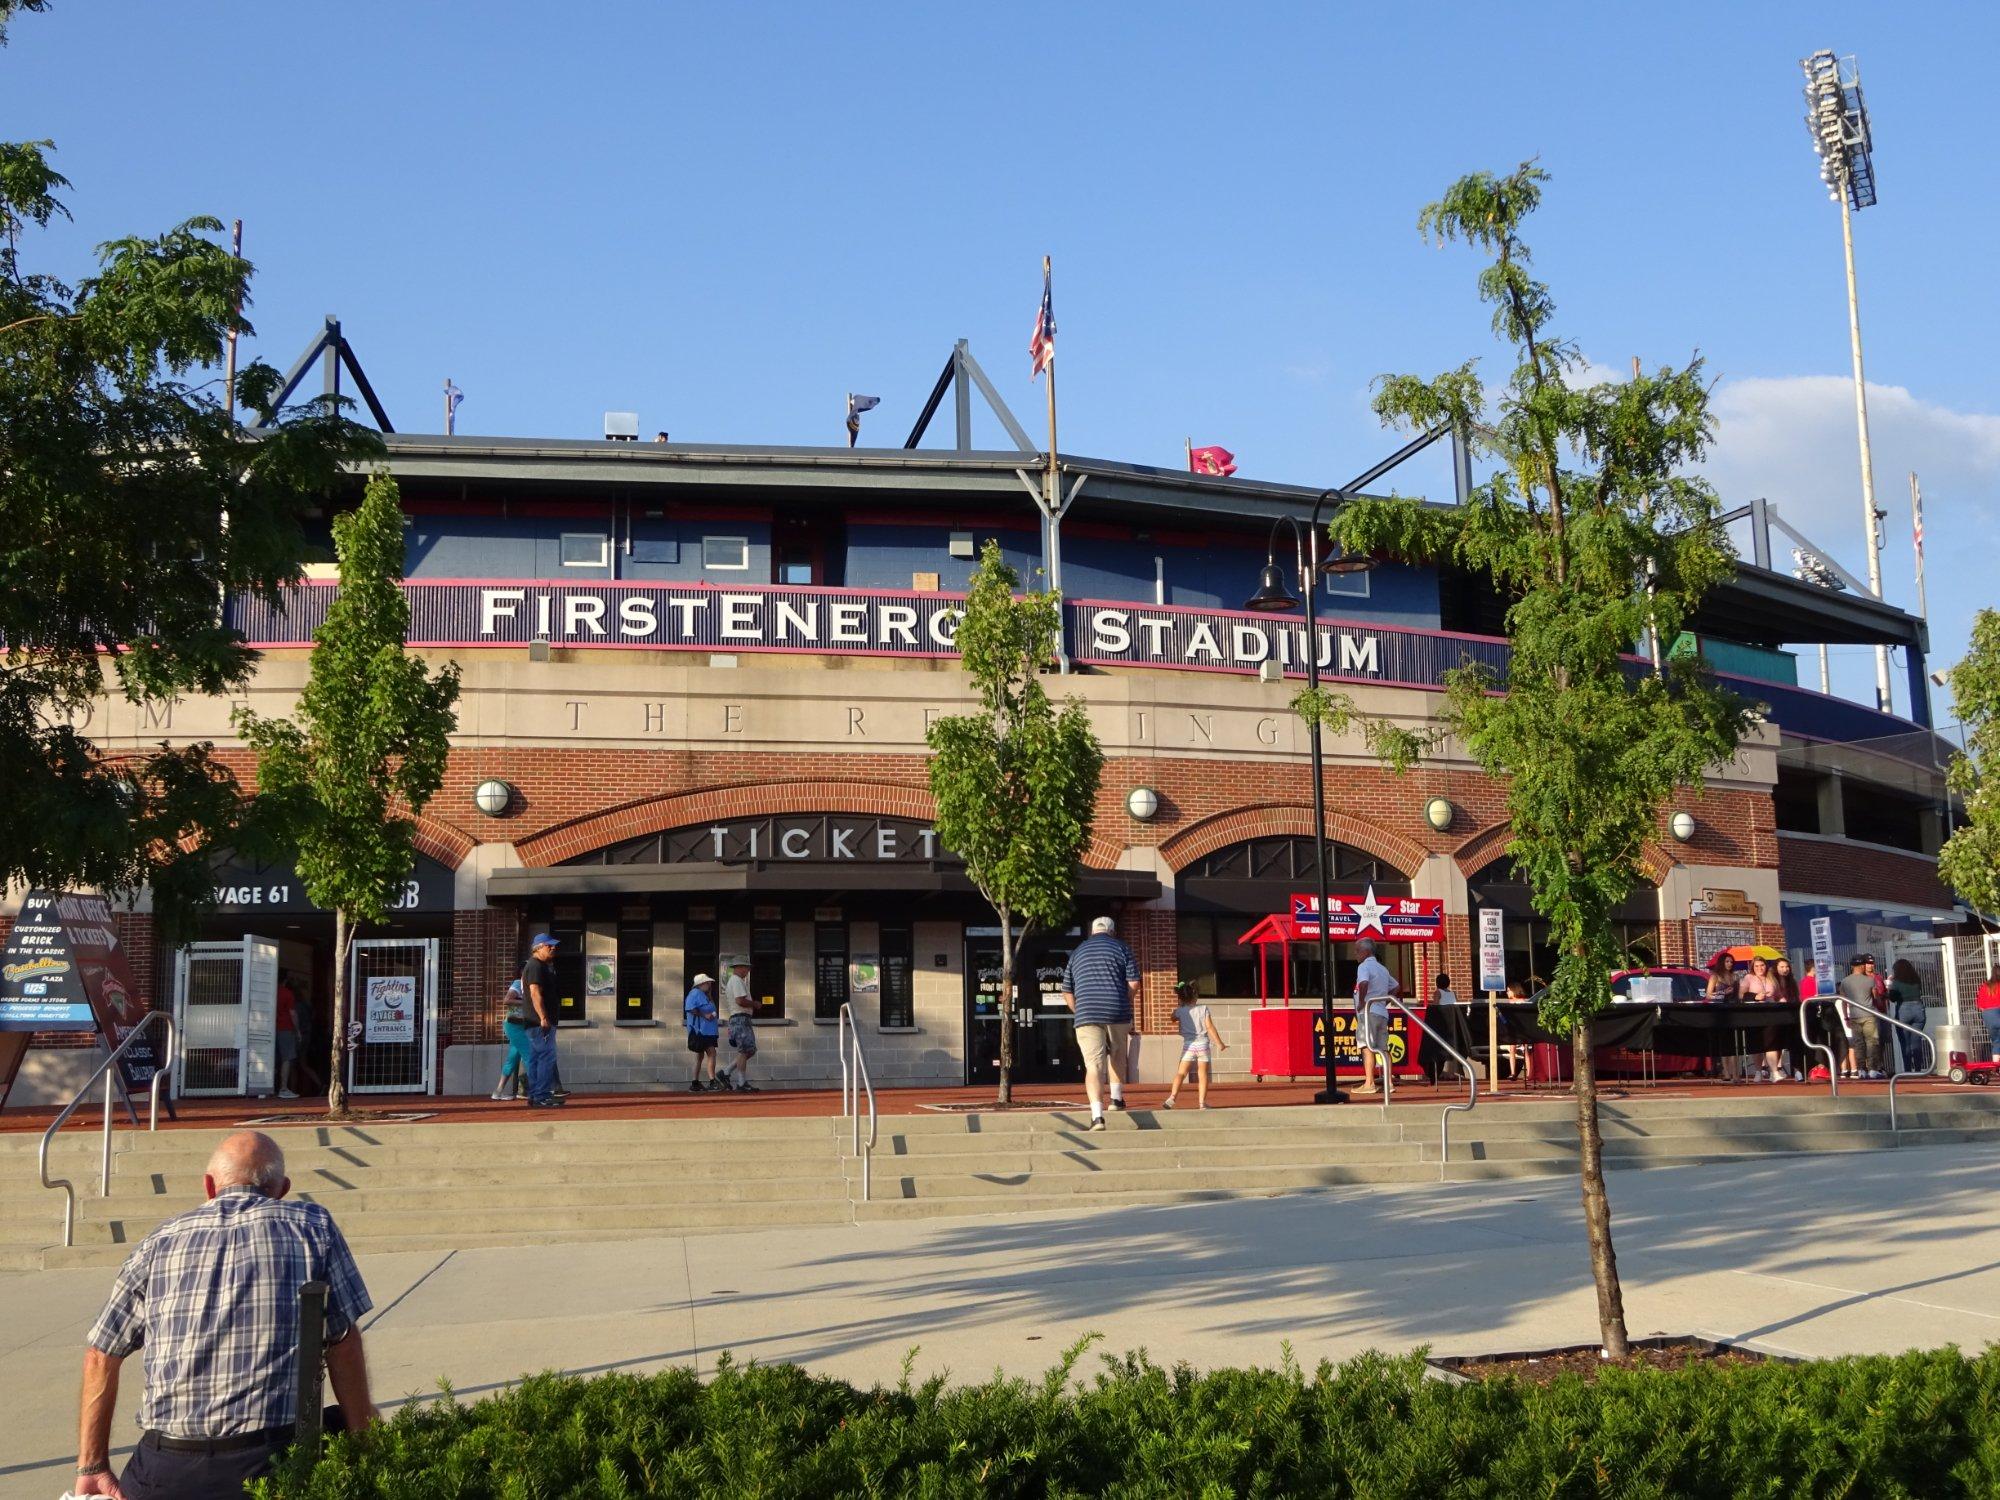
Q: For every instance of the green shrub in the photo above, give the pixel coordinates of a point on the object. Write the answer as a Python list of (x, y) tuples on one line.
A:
[(1921, 1425)]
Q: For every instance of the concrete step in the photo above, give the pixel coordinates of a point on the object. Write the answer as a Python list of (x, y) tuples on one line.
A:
[(1112, 1159), (1163, 1178)]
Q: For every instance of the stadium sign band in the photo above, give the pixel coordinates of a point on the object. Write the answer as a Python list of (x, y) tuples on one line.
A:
[(463, 614)]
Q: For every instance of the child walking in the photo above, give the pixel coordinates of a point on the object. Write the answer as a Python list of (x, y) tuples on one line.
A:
[(1198, 1035)]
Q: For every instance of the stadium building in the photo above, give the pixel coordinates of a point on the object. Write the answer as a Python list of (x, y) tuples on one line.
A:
[(696, 685)]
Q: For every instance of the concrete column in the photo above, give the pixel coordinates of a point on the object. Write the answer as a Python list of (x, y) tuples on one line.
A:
[(1832, 811)]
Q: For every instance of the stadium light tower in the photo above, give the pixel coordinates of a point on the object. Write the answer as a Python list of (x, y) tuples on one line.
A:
[(1837, 121)]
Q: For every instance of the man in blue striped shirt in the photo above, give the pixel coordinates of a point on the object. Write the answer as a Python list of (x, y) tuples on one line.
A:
[(1100, 985)]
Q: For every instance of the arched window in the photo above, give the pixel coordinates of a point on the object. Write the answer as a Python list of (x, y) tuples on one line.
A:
[(1531, 958), (1221, 896)]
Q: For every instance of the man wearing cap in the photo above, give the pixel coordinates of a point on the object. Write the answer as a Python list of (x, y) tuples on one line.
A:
[(742, 1024), (538, 983), (699, 1009), (1100, 985)]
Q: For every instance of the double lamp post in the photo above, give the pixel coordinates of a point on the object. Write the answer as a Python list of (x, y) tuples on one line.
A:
[(1274, 596)]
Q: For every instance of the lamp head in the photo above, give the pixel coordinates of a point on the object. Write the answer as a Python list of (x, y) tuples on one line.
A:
[(1274, 595)]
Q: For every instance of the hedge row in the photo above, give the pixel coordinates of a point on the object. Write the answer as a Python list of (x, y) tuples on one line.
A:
[(1924, 1424)]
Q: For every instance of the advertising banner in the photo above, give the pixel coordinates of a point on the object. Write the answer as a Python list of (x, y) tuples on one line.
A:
[(1400, 919), (390, 1008), (1492, 949), (64, 970), (1822, 953)]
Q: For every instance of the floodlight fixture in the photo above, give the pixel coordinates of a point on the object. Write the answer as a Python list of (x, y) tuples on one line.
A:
[(1837, 121)]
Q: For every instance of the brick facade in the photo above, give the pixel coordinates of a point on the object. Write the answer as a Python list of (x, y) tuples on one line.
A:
[(1810, 866)]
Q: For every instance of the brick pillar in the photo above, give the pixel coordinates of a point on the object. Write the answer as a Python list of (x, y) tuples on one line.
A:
[(485, 957), (1155, 942)]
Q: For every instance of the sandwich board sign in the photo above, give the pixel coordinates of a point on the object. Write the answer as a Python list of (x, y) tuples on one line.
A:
[(63, 969)]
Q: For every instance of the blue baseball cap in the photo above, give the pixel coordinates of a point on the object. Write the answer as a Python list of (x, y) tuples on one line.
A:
[(545, 940)]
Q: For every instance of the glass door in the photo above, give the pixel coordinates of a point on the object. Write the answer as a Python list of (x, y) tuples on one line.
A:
[(1045, 1048)]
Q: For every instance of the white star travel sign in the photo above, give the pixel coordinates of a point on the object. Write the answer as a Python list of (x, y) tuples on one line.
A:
[(1368, 913), (1399, 919)]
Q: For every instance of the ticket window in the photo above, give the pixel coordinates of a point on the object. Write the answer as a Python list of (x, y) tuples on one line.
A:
[(829, 969), (703, 955), (568, 964), (899, 996), (767, 967), (635, 968)]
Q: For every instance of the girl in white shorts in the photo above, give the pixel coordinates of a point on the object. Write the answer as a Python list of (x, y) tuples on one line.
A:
[(1198, 1037)]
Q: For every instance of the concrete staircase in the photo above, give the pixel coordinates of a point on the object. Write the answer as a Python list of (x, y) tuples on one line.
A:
[(432, 1186)]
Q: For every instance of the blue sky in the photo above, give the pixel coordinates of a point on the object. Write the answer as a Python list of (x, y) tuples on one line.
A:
[(726, 217)]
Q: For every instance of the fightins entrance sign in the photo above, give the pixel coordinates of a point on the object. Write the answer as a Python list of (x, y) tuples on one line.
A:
[(864, 622)]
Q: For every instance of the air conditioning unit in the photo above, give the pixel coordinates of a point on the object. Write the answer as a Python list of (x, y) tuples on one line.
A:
[(621, 426)]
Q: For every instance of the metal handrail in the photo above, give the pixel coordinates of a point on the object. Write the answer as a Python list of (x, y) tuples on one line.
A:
[(1471, 1083), (1895, 1077), (104, 1071), (854, 1083), (1832, 1062)]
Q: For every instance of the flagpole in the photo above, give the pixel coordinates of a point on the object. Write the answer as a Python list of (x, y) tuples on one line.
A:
[(1054, 480), (1917, 537), (450, 416), (1190, 454)]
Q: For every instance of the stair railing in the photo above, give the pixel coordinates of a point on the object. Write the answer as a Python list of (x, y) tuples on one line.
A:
[(854, 1085), (1465, 1063), (1805, 1037), (1895, 1076), (104, 1071)]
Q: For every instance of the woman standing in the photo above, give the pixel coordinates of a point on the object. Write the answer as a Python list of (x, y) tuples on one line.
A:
[(1721, 989), (1760, 984), (1906, 1004), (1790, 1028)]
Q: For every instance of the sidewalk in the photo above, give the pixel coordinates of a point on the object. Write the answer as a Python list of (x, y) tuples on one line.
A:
[(208, 1114), (1815, 1255)]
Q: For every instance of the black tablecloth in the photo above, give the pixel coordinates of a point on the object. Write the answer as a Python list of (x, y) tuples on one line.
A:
[(1690, 1026)]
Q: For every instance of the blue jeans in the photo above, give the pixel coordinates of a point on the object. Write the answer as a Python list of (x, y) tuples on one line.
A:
[(518, 1052), (541, 1062)]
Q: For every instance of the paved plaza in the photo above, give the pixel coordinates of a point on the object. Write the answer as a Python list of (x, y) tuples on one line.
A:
[(1817, 1255)]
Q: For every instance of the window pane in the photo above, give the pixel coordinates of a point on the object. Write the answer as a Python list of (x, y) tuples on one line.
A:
[(702, 954), (584, 549), (635, 970), (767, 968), (899, 998), (725, 552), (829, 969)]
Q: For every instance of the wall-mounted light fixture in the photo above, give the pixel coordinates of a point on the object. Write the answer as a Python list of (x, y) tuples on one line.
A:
[(1143, 803), (492, 797), (1438, 813), (1681, 826), (538, 648)]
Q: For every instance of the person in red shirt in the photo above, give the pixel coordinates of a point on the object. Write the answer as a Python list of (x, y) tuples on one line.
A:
[(288, 1038)]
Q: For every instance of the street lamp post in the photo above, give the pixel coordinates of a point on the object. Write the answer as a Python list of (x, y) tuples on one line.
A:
[(1273, 596)]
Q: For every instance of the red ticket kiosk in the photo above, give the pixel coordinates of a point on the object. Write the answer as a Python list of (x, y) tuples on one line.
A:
[(1289, 1039)]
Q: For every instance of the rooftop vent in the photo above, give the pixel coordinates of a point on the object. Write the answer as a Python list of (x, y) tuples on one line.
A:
[(621, 426)]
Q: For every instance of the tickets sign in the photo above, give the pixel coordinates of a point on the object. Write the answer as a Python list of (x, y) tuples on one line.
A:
[(1399, 919)]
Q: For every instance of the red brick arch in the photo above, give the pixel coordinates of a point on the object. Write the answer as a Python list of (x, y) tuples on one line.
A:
[(443, 843), (1287, 820), (1489, 844), (715, 804)]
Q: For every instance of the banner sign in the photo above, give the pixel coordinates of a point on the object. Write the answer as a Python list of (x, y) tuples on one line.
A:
[(1492, 949), (1400, 919), (866, 622), (64, 970), (390, 1008), (1822, 954), (1403, 1048)]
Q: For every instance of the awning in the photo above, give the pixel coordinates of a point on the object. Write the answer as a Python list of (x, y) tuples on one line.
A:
[(777, 876)]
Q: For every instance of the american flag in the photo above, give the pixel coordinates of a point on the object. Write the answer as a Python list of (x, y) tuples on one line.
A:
[(1042, 347)]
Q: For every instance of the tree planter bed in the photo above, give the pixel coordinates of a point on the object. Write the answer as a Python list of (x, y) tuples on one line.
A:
[(1667, 1351)]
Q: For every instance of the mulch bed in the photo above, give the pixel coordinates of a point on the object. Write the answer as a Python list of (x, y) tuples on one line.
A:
[(1587, 1360)]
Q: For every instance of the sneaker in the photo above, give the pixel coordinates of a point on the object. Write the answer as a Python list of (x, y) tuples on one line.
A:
[(1097, 1122), (747, 1087), (287, 1094), (1168, 1102), (697, 1087), (559, 1093), (1117, 1103), (496, 1096)]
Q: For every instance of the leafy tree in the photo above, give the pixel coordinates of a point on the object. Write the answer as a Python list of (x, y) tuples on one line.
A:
[(1593, 531), (1970, 859), (344, 776), (1016, 783), (131, 502)]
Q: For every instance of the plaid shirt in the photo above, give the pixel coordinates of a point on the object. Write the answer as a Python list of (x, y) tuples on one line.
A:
[(213, 1297)]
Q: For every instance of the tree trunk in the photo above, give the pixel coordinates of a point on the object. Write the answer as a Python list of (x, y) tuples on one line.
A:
[(1006, 1095), (1596, 1205), (336, 1072)]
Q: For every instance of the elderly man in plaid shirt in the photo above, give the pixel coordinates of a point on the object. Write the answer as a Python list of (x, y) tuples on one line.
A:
[(212, 1296)]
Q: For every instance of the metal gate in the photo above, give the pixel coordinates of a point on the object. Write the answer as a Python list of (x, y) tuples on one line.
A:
[(392, 1016), (224, 995)]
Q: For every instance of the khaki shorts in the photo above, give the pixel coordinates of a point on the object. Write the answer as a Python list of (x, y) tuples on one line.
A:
[(1097, 1043)]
